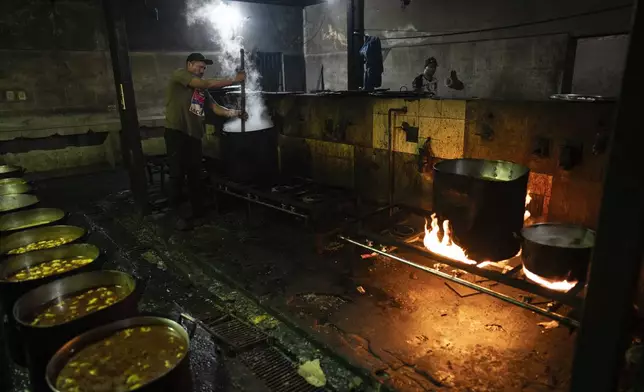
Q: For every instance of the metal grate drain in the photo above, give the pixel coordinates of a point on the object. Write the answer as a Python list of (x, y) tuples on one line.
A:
[(275, 370), (237, 335)]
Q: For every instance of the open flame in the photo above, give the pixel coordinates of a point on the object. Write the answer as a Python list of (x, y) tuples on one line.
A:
[(554, 285), (444, 246), (526, 214)]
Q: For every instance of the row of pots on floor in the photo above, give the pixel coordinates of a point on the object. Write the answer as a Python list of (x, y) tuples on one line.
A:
[(39, 287)]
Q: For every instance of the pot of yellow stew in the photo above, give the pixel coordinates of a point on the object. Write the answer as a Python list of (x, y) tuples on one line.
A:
[(136, 354)]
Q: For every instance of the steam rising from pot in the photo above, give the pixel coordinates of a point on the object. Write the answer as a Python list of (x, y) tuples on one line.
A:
[(226, 23)]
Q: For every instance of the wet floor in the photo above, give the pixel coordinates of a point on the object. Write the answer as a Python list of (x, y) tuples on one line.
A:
[(389, 324)]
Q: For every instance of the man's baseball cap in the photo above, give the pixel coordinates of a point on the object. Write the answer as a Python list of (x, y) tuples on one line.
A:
[(198, 57)]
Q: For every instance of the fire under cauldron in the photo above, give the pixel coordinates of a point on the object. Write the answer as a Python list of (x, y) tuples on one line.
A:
[(484, 202)]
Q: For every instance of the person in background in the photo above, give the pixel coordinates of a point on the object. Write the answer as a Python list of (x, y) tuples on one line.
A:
[(427, 82), (186, 99)]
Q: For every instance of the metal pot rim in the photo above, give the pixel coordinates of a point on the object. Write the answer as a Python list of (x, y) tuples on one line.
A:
[(42, 291), (67, 351), (38, 230), (27, 201), (5, 269), (9, 168), (35, 211), (438, 166), (559, 225)]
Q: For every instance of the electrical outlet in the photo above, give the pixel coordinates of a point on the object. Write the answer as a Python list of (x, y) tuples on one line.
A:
[(22, 95), (10, 95)]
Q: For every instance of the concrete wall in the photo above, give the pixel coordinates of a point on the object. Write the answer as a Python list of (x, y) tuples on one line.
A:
[(56, 76), (517, 63), (348, 148), (599, 64)]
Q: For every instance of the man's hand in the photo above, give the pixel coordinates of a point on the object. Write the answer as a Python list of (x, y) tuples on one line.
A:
[(238, 113), (240, 77)]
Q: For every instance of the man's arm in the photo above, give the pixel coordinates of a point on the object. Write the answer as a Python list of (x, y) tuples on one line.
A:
[(224, 112), (216, 83)]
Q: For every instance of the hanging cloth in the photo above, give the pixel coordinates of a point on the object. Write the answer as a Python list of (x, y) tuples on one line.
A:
[(371, 53)]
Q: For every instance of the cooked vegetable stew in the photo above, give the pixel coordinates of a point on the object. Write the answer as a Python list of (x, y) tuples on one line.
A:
[(124, 361), (49, 268), (45, 244), (73, 306)]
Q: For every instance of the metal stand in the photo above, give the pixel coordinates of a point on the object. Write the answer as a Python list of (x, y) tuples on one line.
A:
[(130, 135), (615, 267)]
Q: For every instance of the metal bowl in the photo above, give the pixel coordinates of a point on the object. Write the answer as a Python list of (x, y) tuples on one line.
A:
[(7, 171), (30, 218), (42, 342), (170, 381), (11, 203), (14, 189), (26, 237), (12, 180)]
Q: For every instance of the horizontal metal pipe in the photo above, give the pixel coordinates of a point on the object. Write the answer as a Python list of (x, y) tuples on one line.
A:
[(263, 203), (565, 298), (555, 316)]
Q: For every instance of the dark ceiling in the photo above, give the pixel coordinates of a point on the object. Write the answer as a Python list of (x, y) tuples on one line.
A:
[(293, 3)]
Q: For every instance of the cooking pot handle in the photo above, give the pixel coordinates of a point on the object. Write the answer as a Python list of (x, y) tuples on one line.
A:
[(193, 323)]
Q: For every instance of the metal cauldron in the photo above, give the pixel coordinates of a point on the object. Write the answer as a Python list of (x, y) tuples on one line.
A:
[(11, 291), (42, 342), (251, 157), (7, 171), (12, 180), (12, 203), (14, 189), (177, 379), (26, 237), (557, 251), (28, 219), (484, 202)]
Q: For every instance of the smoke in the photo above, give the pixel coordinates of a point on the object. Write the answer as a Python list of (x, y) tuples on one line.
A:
[(226, 23)]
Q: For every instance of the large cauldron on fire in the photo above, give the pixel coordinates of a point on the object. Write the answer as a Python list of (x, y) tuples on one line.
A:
[(484, 202)]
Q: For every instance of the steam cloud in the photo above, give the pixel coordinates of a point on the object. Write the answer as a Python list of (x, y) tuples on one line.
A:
[(226, 23)]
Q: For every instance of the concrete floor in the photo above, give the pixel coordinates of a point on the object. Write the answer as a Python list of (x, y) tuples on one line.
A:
[(408, 331)]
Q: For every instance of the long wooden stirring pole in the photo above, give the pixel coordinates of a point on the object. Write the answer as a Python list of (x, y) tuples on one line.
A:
[(243, 95)]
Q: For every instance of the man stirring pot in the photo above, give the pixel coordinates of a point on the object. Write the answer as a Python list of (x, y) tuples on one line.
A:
[(186, 99)]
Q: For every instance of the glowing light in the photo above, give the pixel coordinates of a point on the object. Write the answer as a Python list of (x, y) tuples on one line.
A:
[(445, 246), (554, 285), (527, 214)]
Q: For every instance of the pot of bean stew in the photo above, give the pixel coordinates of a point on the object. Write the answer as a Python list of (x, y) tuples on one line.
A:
[(22, 273), (52, 314), (40, 238), (136, 354)]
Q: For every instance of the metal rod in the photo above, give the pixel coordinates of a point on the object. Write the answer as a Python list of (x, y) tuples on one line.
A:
[(243, 93), (607, 321), (390, 147), (555, 316), (565, 298), (237, 195)]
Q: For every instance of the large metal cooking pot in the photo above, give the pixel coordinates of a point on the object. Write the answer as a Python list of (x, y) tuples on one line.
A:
[(26, 237), (251, 157), (12, 180), (11, 291), (484, 202), (177, 379), (12, 203), (7, 171), (14, 189), (29, 219), (42, 342), (557, 251)]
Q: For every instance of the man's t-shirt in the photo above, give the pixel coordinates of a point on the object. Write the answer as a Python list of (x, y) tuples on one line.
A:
[(184, 105)]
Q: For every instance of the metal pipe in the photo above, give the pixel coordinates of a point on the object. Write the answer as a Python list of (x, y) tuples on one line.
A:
[(243, 93), (555, 316), (390, 147), (565, 298)]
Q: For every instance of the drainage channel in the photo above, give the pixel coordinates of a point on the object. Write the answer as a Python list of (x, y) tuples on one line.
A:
[(252, 347)]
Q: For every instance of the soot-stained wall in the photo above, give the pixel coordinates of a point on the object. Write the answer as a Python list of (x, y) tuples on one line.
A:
[(56, 74), (525, 62)]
